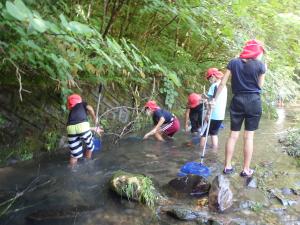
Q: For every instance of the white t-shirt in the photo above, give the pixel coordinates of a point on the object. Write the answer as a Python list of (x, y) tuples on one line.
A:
[(220, 107)]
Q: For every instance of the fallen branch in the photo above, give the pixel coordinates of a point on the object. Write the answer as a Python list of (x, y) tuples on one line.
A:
[(33, 185)]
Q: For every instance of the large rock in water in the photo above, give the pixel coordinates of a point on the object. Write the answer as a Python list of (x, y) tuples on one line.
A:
[(190, 184), (135, 187), (220, 195)]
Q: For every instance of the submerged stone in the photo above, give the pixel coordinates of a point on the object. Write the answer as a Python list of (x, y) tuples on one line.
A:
[(286, 191), (186, 213), (285, 201), (190, 184), (251, 182), (296, 191), (238, 221), (220, 195)]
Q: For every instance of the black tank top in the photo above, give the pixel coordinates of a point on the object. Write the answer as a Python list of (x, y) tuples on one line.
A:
[(78, 114)]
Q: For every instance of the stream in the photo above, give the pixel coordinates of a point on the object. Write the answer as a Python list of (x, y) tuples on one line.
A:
[(48, 184)]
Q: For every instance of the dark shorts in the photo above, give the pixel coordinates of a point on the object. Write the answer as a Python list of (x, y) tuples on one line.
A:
[(195, 123), (214, 127), (196, 118), (245, 107)]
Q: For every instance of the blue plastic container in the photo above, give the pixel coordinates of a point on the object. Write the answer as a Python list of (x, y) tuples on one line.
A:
[(97, 144), (196, 140)]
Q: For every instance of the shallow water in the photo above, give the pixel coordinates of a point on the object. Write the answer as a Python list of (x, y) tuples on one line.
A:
[(87, 192)]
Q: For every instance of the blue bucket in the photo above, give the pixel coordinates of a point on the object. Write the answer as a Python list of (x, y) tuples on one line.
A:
[(97, 144), (196, 140)]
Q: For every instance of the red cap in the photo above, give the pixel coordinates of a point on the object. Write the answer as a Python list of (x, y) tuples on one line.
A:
[(252, 49), (214, 72), (73, 100), (151, 105), (194, 100)]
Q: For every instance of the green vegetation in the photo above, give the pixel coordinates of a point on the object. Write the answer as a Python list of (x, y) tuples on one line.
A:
[(291, 143), (134, 187), (2, 120), (129, 43), (145, 195), (51, 142), (22, 151), (256, 207)]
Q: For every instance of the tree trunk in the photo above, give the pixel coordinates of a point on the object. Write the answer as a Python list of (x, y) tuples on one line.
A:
[(126, 22), (105, 8), (114, 12)]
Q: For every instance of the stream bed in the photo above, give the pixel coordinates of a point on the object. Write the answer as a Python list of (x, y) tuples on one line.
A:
[(84, 197)]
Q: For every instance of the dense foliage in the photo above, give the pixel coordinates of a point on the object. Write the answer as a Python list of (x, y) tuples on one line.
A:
[(129, 43)]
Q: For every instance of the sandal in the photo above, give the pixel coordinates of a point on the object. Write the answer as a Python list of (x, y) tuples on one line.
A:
[(228, 171), (245, 174)]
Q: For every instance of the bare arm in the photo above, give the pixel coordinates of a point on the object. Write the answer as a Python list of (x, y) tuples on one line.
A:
[(223, 83), (261, 80), (91, 112), (155, 129)]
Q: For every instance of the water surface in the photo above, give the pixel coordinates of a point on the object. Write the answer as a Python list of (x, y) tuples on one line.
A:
[(87, 189)]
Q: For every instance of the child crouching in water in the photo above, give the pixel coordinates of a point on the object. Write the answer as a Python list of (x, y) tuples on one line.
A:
[(218, 113), (79, 129), (165, 123), (193, 113)]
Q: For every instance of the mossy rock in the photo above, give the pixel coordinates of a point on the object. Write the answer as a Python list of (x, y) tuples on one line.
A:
[(134, 187)]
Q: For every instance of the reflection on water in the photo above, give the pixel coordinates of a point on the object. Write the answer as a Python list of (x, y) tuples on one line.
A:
[(281, 116), (88, 188)]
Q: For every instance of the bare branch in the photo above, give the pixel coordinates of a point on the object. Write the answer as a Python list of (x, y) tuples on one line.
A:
[(18, 75), (115, 108)]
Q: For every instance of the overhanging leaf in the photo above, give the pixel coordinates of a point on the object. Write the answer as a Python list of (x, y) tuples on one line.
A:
[(173, 77), (64, 21), (23, 8), (39, 25), (77, 27), (13, 10)]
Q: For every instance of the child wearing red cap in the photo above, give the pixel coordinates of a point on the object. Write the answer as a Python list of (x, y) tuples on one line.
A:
[(78, 128), (165, 123), (193, 113), (218, 113), (247, 78)]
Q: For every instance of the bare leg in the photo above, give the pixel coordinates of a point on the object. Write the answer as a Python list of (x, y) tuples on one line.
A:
[(72, 162), (158, 136), (248, 149), (88, 154), (215, 141), (234, 136), (202, 142)]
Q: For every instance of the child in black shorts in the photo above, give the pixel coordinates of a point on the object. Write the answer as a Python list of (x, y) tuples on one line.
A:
[(217, 114), (193, 113), (247, 78)]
